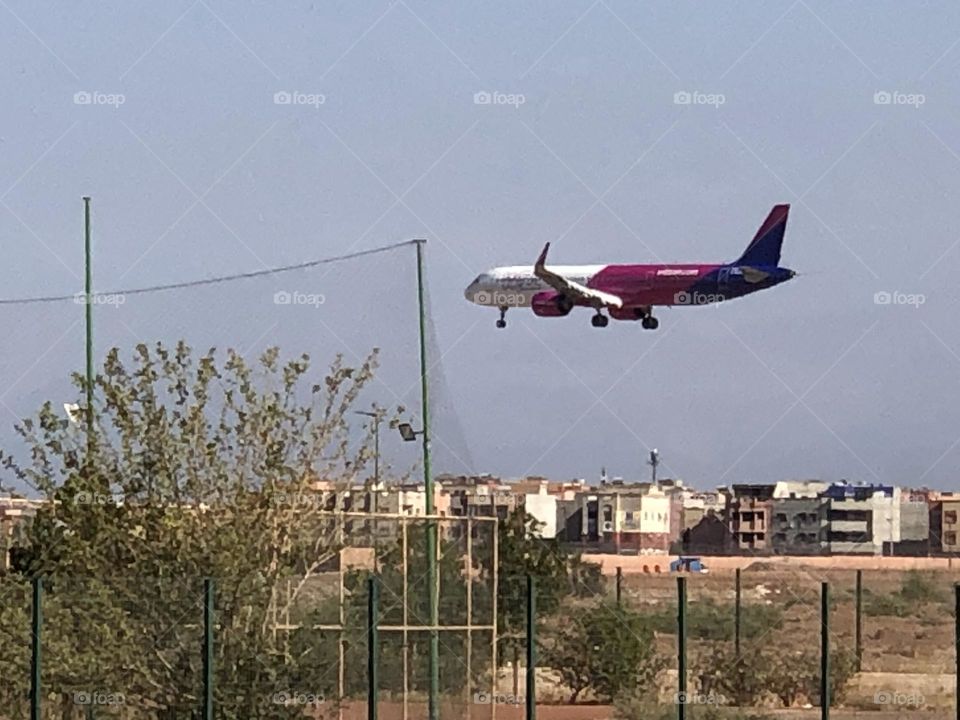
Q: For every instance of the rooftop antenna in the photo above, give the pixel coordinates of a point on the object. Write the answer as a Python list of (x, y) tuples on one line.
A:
[(653, 462)]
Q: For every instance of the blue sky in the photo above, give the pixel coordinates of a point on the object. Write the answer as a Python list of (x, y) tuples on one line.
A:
[(196, 171)]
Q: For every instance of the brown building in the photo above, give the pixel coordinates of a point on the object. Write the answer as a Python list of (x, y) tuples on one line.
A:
[(945, 525), (749, 510)]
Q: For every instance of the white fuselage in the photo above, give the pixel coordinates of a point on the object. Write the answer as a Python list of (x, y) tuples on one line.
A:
[(515, 286)]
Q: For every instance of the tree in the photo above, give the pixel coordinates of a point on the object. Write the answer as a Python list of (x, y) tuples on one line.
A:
[(606, 650), (198, 465), (559, 574)]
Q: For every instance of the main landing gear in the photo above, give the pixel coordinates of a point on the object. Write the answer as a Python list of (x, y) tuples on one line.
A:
[(599, 320), (502, 322)]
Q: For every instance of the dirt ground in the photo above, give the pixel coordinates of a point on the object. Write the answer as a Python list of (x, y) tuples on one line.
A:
[(394, 711), (908, 661)]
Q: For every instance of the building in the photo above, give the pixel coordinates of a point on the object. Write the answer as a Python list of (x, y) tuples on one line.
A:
[(696, 505), (622, 517), (862, 518), (14, 513), (914, 527), (748, 517), (799, 525), (710, 536), (944, 524)]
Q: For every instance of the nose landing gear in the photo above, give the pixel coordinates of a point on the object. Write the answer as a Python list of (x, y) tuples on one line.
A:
[(502, 322), (649, 322), (599, 320)]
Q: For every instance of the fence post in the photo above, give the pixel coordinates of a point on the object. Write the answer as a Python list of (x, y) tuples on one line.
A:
[(531, 699), (36, 628), (858, 626), (619, 585), (956, 642), (208, 649), (825, 651), (681, 648), (736, 617), (373, 644)]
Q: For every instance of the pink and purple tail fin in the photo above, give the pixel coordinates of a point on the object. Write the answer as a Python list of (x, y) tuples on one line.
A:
[(764, 249)]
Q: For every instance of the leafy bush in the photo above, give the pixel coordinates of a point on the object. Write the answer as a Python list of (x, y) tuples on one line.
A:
[(706, 620), (887, 606), (920, 587), (747, 679), (604, 649), (641, 707), (916, 588)]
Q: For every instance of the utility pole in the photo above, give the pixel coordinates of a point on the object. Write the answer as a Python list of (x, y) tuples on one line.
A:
[(433, 587)]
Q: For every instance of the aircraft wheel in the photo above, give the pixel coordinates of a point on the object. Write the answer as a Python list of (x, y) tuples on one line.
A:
[(650, 323), (501, 323), (599, 321)]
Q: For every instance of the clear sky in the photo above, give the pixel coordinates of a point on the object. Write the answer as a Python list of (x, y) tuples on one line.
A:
[(168, 115)]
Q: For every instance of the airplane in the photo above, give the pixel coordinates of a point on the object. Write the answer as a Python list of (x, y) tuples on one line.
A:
[(630, 292)]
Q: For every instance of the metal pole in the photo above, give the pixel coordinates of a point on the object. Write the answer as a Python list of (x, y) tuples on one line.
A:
[(88, 297), (531, 699), (825, 651), (619, 585), (736, 617), (208, 649), (432, 586), (373, 645), (858, 626), (376, 455), (681, 648), (36, 628), (956, 644)]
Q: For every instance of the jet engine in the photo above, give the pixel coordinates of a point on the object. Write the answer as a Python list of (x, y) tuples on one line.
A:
[(551, 304)]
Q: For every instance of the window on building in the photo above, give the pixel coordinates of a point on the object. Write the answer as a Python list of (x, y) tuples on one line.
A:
[(950, 538), (950, 517)]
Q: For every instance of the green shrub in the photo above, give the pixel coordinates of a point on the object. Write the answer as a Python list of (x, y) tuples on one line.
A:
[(920, 587), (706, 620)]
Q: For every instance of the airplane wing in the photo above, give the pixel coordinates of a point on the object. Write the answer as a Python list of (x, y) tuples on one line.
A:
[(573, 290)]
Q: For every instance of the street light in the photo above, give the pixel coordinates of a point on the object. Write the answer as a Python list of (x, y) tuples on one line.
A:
[(407, 432)]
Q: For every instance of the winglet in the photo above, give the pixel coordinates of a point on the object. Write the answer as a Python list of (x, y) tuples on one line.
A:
[(543, 258)]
